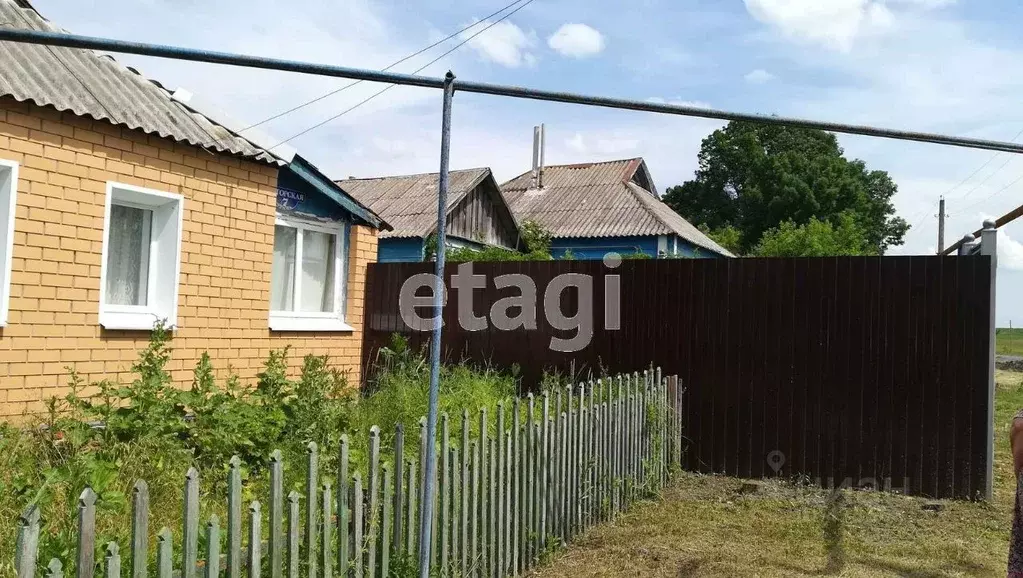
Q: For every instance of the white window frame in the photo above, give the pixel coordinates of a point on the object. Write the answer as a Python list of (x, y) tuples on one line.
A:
[(8, 208), (163, 259), (316, 320)]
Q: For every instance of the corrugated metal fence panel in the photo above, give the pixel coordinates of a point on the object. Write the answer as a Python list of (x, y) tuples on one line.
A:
[(855, 370)]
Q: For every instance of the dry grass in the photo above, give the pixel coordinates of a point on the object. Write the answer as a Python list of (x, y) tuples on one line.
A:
[(703, 526)]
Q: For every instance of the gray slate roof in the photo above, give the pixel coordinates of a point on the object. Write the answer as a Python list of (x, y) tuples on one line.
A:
[(600, 200), (89, 84), (409, 202)]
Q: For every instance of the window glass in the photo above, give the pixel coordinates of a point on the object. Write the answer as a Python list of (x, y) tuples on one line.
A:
[(128, 247), (317, 271), (282, 274)]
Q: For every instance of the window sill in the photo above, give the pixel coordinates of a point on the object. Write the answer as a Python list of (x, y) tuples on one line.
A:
[(131, 321), (288, 323)]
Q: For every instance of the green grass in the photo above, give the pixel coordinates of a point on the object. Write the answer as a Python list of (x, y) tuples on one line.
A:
[(703, 526), (1009, 341)]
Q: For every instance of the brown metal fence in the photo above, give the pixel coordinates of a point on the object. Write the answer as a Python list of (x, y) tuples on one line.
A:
[(865, 371)]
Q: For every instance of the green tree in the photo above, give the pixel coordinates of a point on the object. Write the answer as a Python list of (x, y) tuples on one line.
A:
[(814, 239), (754, 177)]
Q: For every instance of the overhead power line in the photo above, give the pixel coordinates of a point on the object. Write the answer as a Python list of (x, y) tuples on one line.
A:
[(980, 168), (919, 218), (386, 88), (994, 194), (984, 180), (390, 66), (233, 59)]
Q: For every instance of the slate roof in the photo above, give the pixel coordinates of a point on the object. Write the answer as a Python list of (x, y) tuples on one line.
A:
[(90, 84), (605, 199), (409, 202)]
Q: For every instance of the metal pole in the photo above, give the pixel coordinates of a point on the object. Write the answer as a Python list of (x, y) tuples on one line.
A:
[(989, 247), (191, 54), (941, 224), (426, 511)]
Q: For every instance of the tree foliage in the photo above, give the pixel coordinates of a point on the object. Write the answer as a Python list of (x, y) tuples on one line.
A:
[(752, 178), (814, 239)]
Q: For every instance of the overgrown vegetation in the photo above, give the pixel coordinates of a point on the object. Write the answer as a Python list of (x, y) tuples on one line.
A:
[(107, 435), (535, 241)]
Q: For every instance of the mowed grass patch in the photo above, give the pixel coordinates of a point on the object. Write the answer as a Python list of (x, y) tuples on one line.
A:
[(706, 526), (1009, 341)]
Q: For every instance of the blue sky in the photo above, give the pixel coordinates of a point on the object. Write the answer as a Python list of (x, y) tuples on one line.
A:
[(929, 65)]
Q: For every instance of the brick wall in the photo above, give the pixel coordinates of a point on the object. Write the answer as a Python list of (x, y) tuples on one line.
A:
[(227, 245)]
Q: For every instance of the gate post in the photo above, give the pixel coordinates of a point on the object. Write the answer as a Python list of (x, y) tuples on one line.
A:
[(989, 247)]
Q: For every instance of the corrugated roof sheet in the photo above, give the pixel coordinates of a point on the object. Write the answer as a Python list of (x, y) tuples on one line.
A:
[(87, 83), (599, 200), (409, 202)]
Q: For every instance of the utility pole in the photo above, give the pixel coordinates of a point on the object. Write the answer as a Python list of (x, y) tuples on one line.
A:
[(941, 224)]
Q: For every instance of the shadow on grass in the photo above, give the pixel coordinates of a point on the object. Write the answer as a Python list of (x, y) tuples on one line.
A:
[(906, 570)]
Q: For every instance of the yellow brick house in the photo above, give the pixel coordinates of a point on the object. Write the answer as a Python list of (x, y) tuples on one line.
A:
[(121, 203)]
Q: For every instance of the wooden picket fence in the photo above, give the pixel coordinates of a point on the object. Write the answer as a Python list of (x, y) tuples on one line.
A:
[(580, 458)]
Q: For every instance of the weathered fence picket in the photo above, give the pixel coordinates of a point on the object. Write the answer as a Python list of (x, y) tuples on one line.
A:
[(190, 526), (445, 497), (388, 521), (234, 518), (164, 553), (399, 494), (293, 529), (373, 519), (27, 548), (276, 514), (311, 535), (113, 560), (326, 560), (86, 534), (212, 568), (139, 529), (343, 517), (503, 498), (256, 539)]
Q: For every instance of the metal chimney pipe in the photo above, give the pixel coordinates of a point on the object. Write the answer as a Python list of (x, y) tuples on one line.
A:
[(543, 149), (536, 157)]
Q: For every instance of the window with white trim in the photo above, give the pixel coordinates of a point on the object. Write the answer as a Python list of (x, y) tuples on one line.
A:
[(307, 278), (8, 201), (141, 258)]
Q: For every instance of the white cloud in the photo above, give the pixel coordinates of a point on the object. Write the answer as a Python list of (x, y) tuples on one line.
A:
[(608, 144), (834, 23), (927, 4), (1010, 252), (576, 40), (759, 76), (504, 43)]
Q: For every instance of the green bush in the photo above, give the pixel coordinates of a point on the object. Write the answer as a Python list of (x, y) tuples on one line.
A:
[(108, 435), (151, 430), (400, 394), (535, 246)]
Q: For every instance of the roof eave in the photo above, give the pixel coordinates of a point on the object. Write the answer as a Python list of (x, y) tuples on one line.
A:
[(334, 192)]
